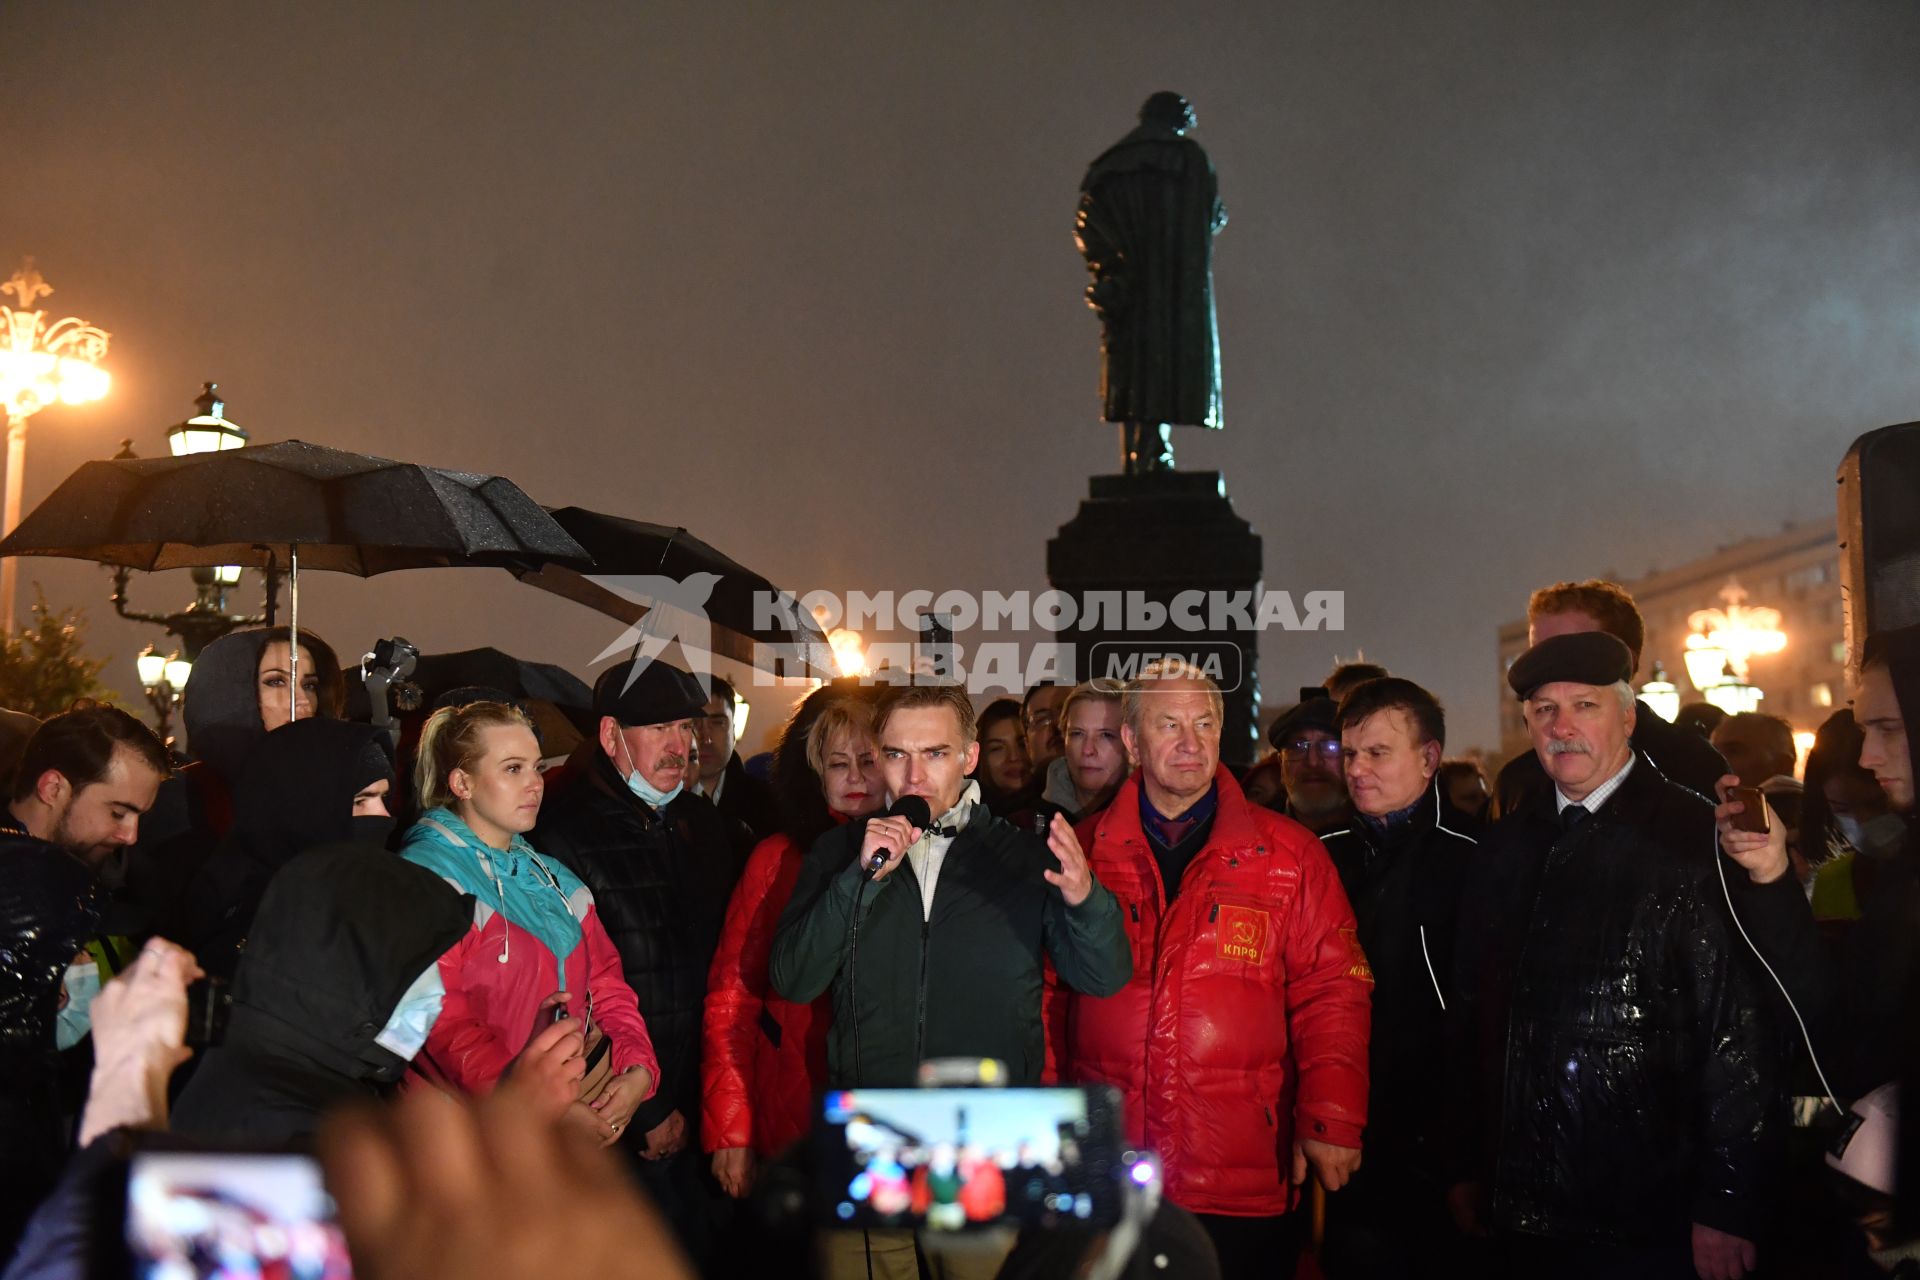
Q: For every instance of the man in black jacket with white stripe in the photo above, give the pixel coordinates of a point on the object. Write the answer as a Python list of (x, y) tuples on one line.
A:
[(1402, 861)]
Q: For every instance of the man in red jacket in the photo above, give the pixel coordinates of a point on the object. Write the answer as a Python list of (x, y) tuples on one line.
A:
[(1240, 1044)]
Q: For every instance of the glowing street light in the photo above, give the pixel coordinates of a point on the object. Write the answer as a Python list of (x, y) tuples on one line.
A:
[(849, 655), (41, 363), (1661, 695), (1721, 644)]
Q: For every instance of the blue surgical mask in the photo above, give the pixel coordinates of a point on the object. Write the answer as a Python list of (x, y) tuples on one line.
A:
[(1852, 828), (83, 984), (406, 1031), (638, 784)]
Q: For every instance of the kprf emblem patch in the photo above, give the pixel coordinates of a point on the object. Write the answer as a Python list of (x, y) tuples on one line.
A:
[(1357, 966), (1243, 934)]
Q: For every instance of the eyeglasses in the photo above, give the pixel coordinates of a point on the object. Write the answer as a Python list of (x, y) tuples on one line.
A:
[(1036, 719), (1326, 749)]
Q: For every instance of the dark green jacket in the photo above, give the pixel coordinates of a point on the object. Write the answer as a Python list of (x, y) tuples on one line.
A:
[(967, 982)]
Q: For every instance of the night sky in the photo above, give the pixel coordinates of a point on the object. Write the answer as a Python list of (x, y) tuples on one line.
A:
[(1511, 291)]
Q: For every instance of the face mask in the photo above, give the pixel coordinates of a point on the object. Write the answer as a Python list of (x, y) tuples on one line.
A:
[(1853, 829), (82, 984), (372, 829), (641, 787), (406, 1031)]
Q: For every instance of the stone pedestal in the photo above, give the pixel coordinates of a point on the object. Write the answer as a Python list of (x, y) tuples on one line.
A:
[(1149, 539)]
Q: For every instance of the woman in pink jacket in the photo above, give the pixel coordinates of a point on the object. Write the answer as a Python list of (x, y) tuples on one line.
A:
[(534, 931)]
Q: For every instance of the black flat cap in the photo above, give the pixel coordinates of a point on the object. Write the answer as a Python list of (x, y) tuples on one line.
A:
[(657, 694), (1314, 713), (1585, 657)]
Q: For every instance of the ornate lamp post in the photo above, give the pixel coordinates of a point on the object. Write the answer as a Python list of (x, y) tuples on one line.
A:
[(1721, 644), (206, 619), (41, 363), (1661, 694), (164, 679)]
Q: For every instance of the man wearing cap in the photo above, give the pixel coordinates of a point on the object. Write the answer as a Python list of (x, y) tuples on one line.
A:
[(1309, 748), (1614, 1076), (1569, 608), (661, 867)]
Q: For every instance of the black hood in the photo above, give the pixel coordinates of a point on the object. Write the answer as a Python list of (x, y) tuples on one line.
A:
[(297, 791), (1900, 650), (221, 707), (340, 935)]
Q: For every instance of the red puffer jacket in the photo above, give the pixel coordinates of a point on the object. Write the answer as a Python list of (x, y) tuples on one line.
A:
[(1246, 1018), (765, 1056)]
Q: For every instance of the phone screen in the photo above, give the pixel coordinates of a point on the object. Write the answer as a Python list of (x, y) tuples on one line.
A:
[(953, 1159), (207, 1213)]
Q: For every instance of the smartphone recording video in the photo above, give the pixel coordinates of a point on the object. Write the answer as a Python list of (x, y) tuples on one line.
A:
[(197, 1215), (955, 1159)]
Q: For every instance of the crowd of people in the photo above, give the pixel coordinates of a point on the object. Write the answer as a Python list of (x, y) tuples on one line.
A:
[(1548, 1023)]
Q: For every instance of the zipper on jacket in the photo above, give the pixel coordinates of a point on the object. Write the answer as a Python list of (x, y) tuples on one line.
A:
[(1269, 1114), (1214, 915), (1133, 908), (920, 1009)]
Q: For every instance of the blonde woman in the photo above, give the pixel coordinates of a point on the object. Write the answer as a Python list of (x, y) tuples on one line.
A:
[(535, 932)]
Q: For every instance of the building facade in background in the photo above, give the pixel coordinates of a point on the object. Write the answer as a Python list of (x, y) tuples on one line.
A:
[(1796, 571)]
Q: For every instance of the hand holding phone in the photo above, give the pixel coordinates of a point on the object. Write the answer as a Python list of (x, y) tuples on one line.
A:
[(1753, 815)]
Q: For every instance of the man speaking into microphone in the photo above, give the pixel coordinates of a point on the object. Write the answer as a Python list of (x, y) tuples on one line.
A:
[(932, 937)]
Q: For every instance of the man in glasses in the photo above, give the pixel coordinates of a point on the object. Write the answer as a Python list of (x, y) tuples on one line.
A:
[(1309, 749)]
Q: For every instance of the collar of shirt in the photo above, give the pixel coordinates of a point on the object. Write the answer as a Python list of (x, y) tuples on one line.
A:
[(930, 850), (719, 784), (1596, 797), (1169, 832)]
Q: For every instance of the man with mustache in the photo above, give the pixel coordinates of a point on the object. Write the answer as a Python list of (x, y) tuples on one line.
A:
[(661, 867), (1613, 1068), (1569, 608)]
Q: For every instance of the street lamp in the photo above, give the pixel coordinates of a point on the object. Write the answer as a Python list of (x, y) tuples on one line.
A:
[(41, 363), (206, 619), (1661, 695), (1721, 643), (164, 679)]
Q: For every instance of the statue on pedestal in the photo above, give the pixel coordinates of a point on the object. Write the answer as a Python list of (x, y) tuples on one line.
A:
[(1149, 209)]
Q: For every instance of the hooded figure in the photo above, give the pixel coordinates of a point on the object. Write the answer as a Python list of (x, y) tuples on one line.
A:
[(297, 793), (334, 996), (194, 810)]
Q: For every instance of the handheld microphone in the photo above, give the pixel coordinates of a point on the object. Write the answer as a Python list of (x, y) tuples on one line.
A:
[(916, 811)]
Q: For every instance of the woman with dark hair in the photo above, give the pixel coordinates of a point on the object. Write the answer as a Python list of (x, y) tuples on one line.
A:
[(1005, 771), (240, 692), (765, 1056)]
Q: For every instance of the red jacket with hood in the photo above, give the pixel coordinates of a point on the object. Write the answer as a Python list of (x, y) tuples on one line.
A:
[(765, 1055), (1245, 1023)]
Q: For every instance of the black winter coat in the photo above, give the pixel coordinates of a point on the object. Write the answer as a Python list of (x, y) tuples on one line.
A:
[(295, 793), (749, 801), (1683, 755), (340, 935), (966, 983), (1405, 886), (660, 882), (49, 908), (1613, 1064)]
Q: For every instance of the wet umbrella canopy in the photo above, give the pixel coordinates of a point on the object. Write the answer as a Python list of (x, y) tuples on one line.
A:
[(639, 566), (282, 506), (347, 512)]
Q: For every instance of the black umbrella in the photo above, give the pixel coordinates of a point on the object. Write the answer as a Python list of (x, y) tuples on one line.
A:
[(282, 506), (348, 512), (638, 566), (438, 673)]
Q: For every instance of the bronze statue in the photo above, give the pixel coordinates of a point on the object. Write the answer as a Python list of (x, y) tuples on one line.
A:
[(1149, 209)]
